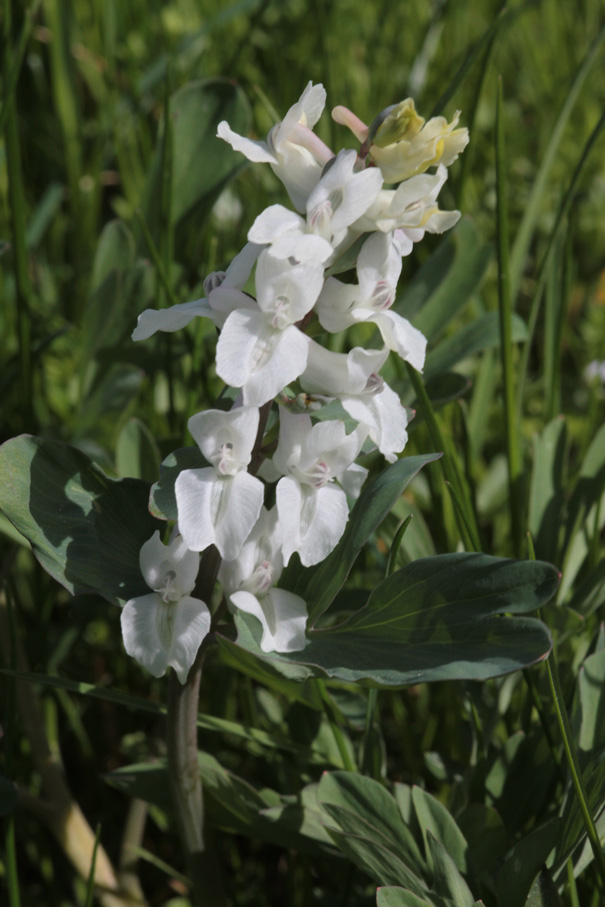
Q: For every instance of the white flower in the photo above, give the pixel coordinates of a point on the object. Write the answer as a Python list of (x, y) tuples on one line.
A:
[(339, 200), (262, 351), (353, 378), (249, 583), (411, 209), (313, 512), (166, 627), (223, 295), (341, 305), (219, 505), (295, 154)]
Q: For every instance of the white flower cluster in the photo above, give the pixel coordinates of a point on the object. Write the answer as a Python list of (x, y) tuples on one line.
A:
[(263, 349)]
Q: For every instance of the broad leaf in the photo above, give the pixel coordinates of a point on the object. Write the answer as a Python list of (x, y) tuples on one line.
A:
[(527, 857), (433, 817), (85, 528), (202, 164), (438, 618)]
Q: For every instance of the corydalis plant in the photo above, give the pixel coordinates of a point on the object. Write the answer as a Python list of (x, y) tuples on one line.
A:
[(264, 352)]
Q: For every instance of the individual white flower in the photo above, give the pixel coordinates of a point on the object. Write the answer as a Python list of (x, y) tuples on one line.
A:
[(403, 144), (249, 584), (312, 510), (262, 351), (223, 294), (166, 627), (341, 305), (411, 209), (340, 199), (295, 153), (219, 504), (353, 379)]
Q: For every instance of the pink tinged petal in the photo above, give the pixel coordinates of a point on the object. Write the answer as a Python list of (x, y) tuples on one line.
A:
[(225, 438), (313, 520), (379, 260), (402, 337), (307, 111), (283, 616), (172, 319), (336, 305), (258, 152), (346, 117)]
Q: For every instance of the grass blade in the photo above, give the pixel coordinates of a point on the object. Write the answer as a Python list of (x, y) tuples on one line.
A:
[(506, 340), (532, 209)]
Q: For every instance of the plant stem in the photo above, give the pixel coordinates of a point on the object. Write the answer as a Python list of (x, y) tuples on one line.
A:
[(506, 341), (336, 731), (449, 464), (574, 763)]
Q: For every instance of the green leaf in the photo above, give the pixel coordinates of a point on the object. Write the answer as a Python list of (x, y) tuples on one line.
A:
[(137, 454), (547, 493), (232, 804), (591, 689), (433, 817), (372, 804), (115, 252), (390, 896), (438, 618), (473, 338), (162, 500), (447, 881), (196, 109), (85, 528), (484, 831), (375, 859), (543, 892), (527, 857), (319, 585), (446, 281)]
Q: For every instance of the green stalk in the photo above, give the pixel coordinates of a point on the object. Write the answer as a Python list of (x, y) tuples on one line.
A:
[(392, 558), (449, 463), (90, 884), (506, 342), (166, 242), (13, 67), (573, 890), (471, 541), (12, 871), (16, 195), (183, 769), (574, 763)]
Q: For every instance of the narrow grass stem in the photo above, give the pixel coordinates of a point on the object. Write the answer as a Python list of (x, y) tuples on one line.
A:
[(449, 463), (573, 762), (506, 342), (571, 880)]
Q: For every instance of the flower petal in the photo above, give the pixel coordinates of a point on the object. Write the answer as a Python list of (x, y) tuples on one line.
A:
[(258, 152), (283, 616), (172, 319), (313, 520)]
